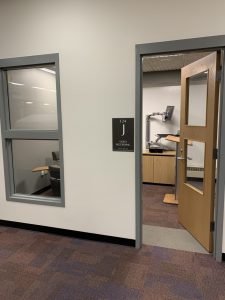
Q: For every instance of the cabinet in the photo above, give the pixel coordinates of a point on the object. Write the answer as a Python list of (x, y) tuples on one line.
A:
[(159, 167), (147, 168)]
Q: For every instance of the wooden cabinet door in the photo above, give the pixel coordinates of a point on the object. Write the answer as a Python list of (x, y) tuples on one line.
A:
[(164, 169), (147, 168)]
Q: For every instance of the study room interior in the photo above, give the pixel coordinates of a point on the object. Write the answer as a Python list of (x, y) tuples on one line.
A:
[(162, 150)]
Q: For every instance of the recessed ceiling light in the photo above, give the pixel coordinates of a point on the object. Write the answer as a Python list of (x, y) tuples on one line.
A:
[(43, 89), (48, 70), (16, 83), (37, 87), (29, 102), (164, 56), (46, 104)]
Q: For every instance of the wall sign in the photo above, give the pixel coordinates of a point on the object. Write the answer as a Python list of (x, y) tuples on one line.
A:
[(123, 134)]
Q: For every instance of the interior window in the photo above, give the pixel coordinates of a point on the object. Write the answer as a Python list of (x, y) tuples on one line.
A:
[(31, 135)]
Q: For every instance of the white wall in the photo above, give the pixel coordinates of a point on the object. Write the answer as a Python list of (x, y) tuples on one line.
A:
[(96, 38)]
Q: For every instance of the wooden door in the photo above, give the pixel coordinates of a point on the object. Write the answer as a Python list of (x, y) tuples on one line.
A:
[(199, 124)]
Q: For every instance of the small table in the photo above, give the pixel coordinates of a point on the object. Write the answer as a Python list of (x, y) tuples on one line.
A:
[(43, 170)]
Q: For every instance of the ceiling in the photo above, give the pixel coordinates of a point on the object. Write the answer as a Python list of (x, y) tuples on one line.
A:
[(166, 62)]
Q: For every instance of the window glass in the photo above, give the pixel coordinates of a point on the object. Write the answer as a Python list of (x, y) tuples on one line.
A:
[(195, 166), (36, 167), (197, 100), (32, 98)]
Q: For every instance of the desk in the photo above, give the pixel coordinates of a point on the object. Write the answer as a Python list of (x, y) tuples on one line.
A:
[(176, 139), (43, 170)]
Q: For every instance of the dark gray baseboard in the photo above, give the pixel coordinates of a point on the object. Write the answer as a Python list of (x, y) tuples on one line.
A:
[(70, 233)]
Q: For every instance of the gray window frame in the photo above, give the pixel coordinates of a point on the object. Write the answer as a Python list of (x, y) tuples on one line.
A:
[(8, 134)]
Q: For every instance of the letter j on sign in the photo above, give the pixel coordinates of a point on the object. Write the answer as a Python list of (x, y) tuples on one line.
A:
[(123, 134)]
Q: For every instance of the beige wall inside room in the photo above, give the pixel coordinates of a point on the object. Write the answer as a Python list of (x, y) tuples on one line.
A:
[(159, 90), (96, 42)]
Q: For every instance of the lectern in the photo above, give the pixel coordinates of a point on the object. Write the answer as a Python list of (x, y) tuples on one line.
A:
[(173, 198)]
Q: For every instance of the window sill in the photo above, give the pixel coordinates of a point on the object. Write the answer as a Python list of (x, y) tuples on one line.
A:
[(31, 199)]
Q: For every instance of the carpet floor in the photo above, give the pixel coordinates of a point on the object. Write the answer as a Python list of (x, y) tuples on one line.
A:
[(155, 212), (41, 266)]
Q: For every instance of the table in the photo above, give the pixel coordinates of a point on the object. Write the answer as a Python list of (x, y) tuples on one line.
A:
[(43, 170)]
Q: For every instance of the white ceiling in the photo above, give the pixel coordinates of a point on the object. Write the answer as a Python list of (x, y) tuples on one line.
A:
[(165, 62)]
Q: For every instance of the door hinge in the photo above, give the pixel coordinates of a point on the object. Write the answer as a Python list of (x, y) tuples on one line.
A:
[(212, 226), (218, 75), (215, 153)]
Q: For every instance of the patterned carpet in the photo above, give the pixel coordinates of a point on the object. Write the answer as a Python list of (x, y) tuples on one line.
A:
[(155, 212), (41, 266)]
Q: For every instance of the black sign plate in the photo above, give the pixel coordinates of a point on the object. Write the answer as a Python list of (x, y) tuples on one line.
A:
[(123, 134)]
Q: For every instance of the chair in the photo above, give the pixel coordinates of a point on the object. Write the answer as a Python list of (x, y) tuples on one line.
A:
[(54, 172), (55, 155)]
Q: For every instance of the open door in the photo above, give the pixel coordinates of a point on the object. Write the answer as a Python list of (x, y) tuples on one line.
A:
[(196, 194)]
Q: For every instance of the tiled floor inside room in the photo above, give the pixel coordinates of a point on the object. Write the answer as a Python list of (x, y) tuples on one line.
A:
[(42, 266), (160, 222), (172, 238)]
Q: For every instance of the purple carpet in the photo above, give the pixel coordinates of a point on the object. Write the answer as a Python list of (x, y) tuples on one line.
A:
[(41, 266), (155, 212)]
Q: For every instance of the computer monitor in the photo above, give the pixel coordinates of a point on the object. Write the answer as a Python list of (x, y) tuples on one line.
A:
[(169, 112)]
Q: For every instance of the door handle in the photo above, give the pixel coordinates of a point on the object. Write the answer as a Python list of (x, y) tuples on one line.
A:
[(183, 158)]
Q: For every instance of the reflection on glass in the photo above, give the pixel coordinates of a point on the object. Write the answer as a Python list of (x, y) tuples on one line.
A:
[(36, 167), (32, 98), (195, 164), (197, 100)]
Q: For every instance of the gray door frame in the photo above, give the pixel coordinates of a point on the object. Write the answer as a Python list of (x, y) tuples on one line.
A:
[(196, 44)]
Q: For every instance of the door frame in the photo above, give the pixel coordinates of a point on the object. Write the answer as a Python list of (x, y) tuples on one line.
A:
[(195, 44)]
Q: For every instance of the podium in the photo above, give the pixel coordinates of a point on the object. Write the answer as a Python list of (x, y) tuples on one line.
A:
[(173, 198)]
